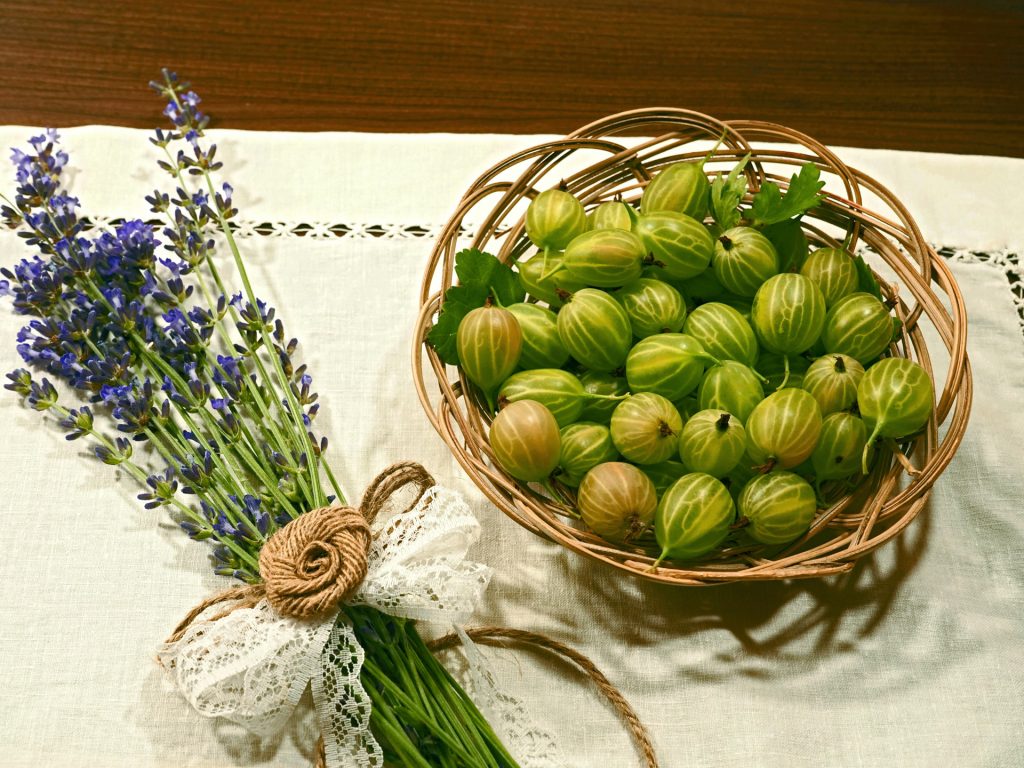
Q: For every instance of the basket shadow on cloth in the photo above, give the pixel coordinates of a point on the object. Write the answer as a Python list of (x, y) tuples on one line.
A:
[(596, 165)]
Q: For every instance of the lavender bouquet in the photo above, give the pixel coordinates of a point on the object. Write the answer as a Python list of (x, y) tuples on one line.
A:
[(191, 387)]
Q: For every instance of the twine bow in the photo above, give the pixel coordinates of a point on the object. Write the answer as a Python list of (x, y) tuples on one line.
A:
[(314, 563), (252, 661)]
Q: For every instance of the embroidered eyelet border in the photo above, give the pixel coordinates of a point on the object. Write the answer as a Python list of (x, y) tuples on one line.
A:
[(1007, 261)]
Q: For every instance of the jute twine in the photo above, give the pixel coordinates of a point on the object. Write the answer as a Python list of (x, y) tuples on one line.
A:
[(311, 565)]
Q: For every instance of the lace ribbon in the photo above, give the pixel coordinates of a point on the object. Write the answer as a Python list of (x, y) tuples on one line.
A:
[(251, 665)]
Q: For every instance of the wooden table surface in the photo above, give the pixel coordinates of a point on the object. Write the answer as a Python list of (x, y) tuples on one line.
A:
[(931, 75)]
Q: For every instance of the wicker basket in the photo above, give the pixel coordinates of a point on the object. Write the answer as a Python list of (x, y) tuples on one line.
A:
[(597, 167)]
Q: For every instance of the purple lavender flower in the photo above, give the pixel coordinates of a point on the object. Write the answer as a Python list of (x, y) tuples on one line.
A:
[(116, 316)]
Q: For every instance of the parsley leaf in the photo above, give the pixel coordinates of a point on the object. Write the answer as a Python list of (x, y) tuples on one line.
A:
[(442, 335), (482, 270), (790, 243), (770, 206), (481, 276), (726, 194)]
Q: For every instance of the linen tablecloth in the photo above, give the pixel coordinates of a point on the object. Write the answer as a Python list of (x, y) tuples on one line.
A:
[(914, 659)]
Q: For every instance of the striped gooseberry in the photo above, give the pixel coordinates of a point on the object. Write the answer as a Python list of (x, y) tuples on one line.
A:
[(595, 329), (779, 507), (653, 307), (542, 346), (832, 380), (606, 384), (669, 364), (840, 446), (489, 342), (783, 429), (687, 406), (557, 390), (606, 258), (737, 480), (524, 438), (712, 442), (703, 288), (834, 272), (895, 399), (723, 332), (680, 188), (645, 428), (743, 306), (743, 260), (613, 214), (858, 325), (788, 314), (584, 446), (547, 283), (679, 245), (664, 473), (731, 387), (553, 219), (781, 371), (617, 501), (693, 517)]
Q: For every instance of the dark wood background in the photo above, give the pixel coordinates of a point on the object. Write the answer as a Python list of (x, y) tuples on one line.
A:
[(908, 74)]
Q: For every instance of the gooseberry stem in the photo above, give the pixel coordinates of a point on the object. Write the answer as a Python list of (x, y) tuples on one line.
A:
[(709, 359), (714, 149), (760, 376), (867, 446), (547, 485), (544, 273), (785, 377)]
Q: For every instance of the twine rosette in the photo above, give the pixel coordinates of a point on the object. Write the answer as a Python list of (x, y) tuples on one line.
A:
[(248, 653), (596, 164)]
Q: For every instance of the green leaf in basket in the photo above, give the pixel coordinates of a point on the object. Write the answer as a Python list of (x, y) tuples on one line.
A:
[(481, 276), (790, 243), (770, 206), (482, 270), (866, 278), (726, 193)]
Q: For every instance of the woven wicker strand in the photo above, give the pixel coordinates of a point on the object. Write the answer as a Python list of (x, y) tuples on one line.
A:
[(595, 165)]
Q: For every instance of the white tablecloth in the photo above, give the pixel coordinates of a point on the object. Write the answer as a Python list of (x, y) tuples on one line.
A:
[(915, 659)]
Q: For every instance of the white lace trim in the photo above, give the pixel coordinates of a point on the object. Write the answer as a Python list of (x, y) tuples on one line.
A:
[(342, 704), (417, 567), (252, 666), (531, 745)]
